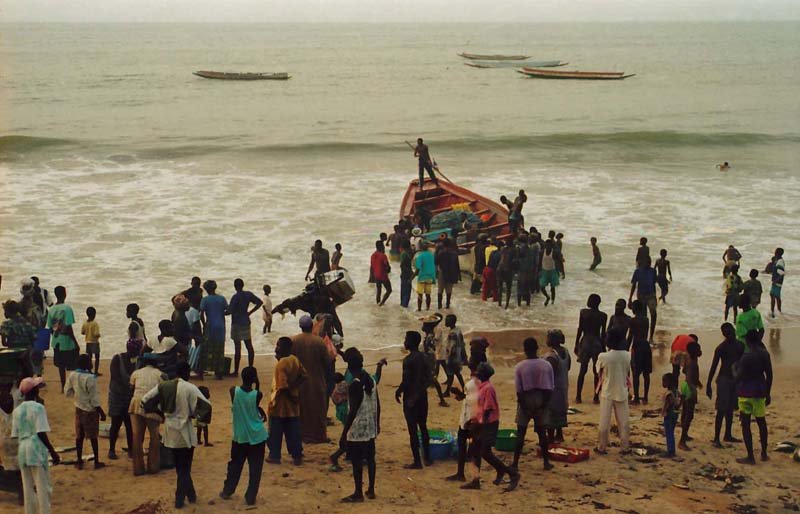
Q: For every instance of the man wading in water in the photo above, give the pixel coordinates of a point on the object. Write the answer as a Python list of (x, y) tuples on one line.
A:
[(425, 162)]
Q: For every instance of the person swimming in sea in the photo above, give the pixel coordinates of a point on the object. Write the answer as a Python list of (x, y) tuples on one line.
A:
[(725, 166)]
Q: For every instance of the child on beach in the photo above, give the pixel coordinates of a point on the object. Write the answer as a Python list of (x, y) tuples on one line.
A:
[(733, 287), (752, 288), (434, 349), (132, 313), (642, 354), (336, 257), (689, 388), (91, 332), (82, 385), (596, 257), (266, 309), (663, 270), (560, 253), (669, 411), (339, 399), (202, 426), (456, 352)]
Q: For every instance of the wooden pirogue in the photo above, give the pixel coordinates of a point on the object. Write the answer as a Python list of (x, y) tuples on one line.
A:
[(494, 57), (225, 75), (451, 197), (574, 75)]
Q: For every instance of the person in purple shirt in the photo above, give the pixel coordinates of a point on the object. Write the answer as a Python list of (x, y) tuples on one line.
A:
[(240, 323), (643, 283), (534, 380)]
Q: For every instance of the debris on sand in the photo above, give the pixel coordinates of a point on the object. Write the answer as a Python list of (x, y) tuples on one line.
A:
[(600, 505), (737, 508), (151, 507), (646, 450), (712, 472), (785, 447), (732, 481)]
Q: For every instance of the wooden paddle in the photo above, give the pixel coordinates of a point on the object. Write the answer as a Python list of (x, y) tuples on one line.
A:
[(434, 165)]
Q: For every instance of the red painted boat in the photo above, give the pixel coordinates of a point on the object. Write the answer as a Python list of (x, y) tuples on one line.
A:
[(447, 196)]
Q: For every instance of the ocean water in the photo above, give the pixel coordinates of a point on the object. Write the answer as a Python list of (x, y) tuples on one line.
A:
[(123, 174)]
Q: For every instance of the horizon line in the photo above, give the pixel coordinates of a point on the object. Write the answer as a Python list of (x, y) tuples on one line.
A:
[(402, 22)]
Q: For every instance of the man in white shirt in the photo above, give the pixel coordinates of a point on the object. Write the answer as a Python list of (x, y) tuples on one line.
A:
[(615, 367), (82, 385), (469, 397), (180, 401)]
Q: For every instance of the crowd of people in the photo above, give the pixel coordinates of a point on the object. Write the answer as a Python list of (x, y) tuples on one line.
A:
[(151, 381)]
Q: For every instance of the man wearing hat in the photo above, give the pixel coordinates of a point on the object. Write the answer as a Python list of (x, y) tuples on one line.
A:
[(312, 353), (30, 427), (416, 237)]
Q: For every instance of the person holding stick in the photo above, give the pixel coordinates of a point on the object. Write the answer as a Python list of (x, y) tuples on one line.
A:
[(425, 162)]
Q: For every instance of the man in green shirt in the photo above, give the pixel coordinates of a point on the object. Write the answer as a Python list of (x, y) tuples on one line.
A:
[(749, 319), (65, 346)]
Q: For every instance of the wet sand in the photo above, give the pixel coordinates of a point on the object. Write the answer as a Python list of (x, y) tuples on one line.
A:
[(621, 484)]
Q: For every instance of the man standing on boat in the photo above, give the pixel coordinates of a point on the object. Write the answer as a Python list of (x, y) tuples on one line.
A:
[(425, 163)]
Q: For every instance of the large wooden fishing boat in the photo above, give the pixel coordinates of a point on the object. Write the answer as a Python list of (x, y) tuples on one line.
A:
[(224, 75), (495, 57), (480, 214), (574, 75)]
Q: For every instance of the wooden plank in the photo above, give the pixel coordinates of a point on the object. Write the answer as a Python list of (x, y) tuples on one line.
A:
[(431, 198)]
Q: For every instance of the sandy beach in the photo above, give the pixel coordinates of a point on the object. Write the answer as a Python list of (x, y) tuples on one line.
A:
[(612, 482)]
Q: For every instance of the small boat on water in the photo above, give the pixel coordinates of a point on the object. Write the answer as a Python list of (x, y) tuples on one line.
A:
[(451, 209), (516, 64), (223, 75), (574, 75), (494, 57)]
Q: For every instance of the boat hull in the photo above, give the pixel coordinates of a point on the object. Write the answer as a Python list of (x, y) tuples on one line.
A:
[(573, 75), (442, 198), (221, 75), (516, 64), (494, 57)]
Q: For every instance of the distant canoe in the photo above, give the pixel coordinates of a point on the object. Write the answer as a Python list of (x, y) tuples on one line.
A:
[(222, 75), (516, 64), (496, 57), (574, 75)]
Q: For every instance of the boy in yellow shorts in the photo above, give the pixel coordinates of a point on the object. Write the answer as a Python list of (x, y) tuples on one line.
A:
[(755, 385), (425, 271)]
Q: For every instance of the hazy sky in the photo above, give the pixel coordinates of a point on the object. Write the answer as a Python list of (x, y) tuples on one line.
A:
[(395, 10)]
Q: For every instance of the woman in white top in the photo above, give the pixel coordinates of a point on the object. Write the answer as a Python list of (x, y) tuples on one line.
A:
[(470, 398), (361, 428)]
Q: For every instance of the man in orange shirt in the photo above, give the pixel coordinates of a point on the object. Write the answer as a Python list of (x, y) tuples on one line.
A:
[(679, 354)]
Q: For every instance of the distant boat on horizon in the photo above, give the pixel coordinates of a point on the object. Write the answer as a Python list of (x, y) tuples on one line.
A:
[(516, 64), (494, 57), (224, 75)]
